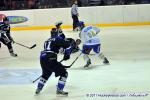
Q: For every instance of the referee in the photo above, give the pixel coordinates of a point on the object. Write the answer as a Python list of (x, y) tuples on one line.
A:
[(75, 14)]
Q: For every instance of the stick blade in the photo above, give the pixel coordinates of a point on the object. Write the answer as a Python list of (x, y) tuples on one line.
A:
[(33, 81), (33, 46)]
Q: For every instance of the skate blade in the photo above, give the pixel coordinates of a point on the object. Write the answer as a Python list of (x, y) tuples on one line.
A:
[(106, 63), (86, 68), (36, 94), (61, 95)]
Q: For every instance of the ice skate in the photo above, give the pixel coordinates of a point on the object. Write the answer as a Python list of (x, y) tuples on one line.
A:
[(106, 61), (40, 85), (61, 92), (37, 91), (87, 64), (13, 54), (76, 29)]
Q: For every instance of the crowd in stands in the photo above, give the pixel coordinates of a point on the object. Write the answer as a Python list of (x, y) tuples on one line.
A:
[(43, 4)]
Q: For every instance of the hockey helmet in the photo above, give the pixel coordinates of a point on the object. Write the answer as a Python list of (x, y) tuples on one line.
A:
[(78, 41), (81, 24), (54, 32), (2, 17)]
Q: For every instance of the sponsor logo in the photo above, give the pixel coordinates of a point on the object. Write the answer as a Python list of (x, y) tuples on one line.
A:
[(17, 19)]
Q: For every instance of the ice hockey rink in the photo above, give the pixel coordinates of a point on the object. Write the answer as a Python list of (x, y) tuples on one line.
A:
[(126, 78)]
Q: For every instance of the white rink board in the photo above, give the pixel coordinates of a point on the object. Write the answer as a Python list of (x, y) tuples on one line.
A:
[(90, 15)]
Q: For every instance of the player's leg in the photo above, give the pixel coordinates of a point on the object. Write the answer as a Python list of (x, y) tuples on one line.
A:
[(40, 85), (61, 71), (46, 73), (96, 49), (10, 48), (0, 43), (75, 22), (61, 84), (86, 51), (7, 42)]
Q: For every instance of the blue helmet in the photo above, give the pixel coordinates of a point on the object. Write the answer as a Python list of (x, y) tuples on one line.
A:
[(81, 24), (54, 32)]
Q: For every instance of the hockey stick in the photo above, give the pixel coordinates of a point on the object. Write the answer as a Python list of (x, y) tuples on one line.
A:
[(36, 79), (62, 60), (25, 45), (75, 60)]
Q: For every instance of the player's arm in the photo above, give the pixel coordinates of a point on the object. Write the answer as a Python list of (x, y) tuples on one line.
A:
[(97, 30), (68, 48), (83, 36), (2, 31), (62, 35), (8, 34)]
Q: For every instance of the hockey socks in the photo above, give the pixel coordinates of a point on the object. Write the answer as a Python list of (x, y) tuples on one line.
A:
[(105, 60), (87, 59), (60, 86), (40, 85)]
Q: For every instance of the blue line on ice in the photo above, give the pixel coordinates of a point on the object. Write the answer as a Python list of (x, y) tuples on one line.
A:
[(18, 76)]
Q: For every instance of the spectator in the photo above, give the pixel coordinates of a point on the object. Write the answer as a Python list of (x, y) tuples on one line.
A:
[(31, 4), (79, 3), (2, 4)]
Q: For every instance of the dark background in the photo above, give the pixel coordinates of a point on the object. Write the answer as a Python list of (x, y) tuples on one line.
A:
[(43, 4)]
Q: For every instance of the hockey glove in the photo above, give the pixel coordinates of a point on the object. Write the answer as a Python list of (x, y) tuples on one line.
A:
[(87, 50), (66, 57), (12, 40)]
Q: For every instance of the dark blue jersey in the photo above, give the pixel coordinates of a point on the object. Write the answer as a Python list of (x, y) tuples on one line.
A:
[(57, 43), (5, 29)]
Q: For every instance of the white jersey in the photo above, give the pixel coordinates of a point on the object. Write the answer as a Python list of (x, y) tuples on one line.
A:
[(89, 35)]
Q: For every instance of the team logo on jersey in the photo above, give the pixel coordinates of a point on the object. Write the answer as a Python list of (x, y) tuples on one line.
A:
[(17, 19)]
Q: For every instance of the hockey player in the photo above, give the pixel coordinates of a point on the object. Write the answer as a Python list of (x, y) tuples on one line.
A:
[(91, 41), (60, 33), (5, 36), (75, 44), (49, 63)]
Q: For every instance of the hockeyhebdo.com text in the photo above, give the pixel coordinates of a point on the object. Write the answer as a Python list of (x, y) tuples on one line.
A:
[(130, 94)]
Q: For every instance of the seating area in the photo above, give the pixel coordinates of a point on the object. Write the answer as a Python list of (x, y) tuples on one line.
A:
[(43, 4)]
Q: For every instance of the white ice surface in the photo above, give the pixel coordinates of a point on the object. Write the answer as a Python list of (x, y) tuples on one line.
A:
[(127, 48)]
